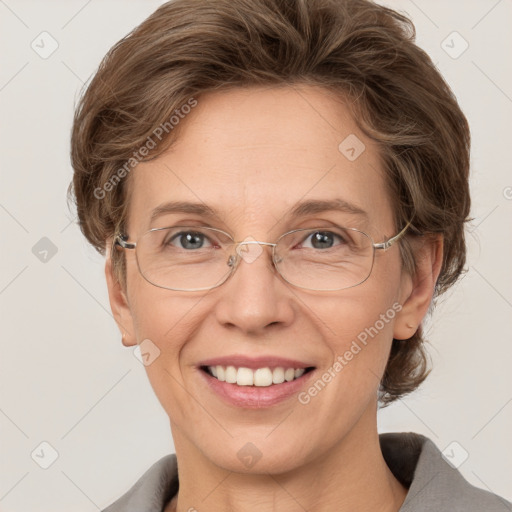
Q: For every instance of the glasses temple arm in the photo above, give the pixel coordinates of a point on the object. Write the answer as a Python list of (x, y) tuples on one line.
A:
[(121, 241), (388, 243)]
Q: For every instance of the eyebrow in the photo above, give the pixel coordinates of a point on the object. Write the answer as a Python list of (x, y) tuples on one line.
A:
[(320, 206), (182, 207), (300, 210)]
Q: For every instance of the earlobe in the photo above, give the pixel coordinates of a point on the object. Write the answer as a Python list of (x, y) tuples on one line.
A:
[(418, 290), (125, 341), (119, 304)]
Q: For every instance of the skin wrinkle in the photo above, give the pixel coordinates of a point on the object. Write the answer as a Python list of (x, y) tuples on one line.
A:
[(332, 442)]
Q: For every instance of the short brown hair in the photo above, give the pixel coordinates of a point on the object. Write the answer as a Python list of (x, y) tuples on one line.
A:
[(356, 48)]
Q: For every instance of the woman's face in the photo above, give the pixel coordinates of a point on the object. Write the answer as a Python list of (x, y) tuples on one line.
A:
[(252, 156)]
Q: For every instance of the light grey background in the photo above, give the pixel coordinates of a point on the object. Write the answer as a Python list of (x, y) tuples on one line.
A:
[(65, 377)]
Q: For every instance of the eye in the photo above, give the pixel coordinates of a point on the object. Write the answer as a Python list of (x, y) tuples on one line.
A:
[(188, 240), (322, 240)]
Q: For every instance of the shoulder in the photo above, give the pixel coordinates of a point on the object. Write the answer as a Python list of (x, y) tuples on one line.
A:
[(434, 484), (152, 490)]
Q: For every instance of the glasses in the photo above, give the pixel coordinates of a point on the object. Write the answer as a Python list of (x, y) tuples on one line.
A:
[(192, 258)]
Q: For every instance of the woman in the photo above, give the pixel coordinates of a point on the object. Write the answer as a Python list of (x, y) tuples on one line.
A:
[(272, 184)]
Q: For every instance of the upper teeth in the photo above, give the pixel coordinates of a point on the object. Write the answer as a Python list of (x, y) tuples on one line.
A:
[(260, 377)]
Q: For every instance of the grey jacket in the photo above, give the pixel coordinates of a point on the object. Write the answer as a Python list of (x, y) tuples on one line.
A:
[(434, 486)]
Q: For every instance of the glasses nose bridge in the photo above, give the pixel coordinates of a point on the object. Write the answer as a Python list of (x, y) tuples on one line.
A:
[(246, 242), (248, 258), (239, 250)]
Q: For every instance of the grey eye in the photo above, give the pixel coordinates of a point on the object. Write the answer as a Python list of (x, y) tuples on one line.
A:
[(189, 240), (322, 240)]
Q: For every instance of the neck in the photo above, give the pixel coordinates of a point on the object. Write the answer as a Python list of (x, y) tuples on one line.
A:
[(351, 476)]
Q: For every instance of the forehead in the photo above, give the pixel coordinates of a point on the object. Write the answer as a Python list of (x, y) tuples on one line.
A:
[(252, 154)]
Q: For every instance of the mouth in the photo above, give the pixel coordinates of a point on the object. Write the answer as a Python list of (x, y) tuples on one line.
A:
[(255, 382), (255, 377)]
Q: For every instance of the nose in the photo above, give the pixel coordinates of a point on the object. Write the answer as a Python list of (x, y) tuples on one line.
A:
[(254, 298)]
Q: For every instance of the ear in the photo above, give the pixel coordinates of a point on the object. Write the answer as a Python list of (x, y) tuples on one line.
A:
[(417, 290), (119, 302)]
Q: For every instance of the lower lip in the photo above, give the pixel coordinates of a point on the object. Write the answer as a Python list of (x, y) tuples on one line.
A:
[(256, 397)]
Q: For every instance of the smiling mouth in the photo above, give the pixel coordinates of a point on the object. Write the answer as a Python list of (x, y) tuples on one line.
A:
[(260, 377)]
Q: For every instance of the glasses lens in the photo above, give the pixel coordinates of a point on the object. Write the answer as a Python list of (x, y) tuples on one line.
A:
[(325, 259), (184, 257)]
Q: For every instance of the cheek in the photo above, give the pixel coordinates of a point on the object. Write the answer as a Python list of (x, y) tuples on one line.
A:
[(357, 328), (359, 332), (366, 312), (160, 315), (167, 321), (163, 323)]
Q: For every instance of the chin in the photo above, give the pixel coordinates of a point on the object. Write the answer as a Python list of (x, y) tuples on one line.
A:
[(259, 454)]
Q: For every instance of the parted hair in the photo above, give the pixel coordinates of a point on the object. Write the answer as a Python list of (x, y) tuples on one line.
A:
[(362, 51)]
